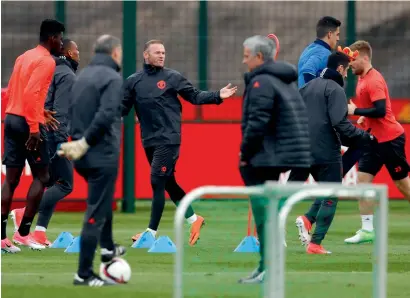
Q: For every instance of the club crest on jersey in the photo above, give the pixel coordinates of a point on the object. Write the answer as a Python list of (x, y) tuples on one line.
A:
[(161, 84)]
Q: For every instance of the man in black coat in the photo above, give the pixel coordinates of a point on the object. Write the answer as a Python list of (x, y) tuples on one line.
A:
[(96, 129), (153, 92), (61, 169), (275, 136), (329, 128)]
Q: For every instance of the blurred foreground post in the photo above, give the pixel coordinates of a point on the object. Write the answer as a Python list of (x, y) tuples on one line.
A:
[(350, 38), (129, 41)]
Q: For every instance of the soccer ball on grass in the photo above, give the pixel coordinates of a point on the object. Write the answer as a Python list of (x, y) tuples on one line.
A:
[(118, 271)]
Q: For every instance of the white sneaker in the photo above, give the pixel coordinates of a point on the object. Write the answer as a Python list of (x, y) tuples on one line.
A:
[(362, 236), (304, 227), (8, 247)]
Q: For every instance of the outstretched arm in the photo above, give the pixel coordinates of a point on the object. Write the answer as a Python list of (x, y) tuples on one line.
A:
[(198, 97)]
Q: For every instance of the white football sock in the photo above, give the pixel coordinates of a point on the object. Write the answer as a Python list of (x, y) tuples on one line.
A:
[(154, 233), (367, 222), (192, 219), (40, 229)]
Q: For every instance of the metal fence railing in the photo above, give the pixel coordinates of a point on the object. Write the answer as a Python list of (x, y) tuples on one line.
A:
[(385, 24)]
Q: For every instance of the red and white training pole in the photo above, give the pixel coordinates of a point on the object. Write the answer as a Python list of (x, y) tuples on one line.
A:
[(276, 40)]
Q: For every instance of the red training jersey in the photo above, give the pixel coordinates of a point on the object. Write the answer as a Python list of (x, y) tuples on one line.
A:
[(370, 88), (28, 86)]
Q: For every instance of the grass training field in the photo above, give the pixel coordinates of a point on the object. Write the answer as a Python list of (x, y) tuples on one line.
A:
[(212, 268)]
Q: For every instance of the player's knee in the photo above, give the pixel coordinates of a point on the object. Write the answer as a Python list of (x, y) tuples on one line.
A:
[(41, 174), (158, 182), (330, 202), (172, 185), (69, 189), (364, 177), (404, 187), (65, 187), (44, 178), (13, 182)]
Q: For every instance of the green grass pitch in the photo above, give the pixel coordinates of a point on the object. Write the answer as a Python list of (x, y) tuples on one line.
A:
[(212, 268)]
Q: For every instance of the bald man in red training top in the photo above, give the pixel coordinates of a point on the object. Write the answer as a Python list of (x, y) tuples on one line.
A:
[(374, 107), (23, 127)]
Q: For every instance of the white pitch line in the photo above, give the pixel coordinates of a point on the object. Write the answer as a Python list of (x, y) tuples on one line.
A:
[(4, 274)]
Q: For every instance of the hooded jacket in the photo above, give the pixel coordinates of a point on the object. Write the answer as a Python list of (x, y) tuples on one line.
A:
[(274, 121), (96, 112), (329, 127), (59, 97)]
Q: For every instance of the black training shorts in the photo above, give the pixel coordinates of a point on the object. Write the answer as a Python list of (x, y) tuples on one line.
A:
[(392, 154), (162, 159), (16, 134)]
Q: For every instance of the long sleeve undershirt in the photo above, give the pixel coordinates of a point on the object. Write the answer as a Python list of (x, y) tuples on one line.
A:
[(378, 111)]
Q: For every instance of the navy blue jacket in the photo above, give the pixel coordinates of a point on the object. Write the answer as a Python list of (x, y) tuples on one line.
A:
[(275, 130)]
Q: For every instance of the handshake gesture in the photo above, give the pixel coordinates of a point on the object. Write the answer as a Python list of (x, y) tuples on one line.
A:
[(73, 150), (227, 91)]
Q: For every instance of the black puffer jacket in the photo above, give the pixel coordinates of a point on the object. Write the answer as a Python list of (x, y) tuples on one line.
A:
[(275, 129)]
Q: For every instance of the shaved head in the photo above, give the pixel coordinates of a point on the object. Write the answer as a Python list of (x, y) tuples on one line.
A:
[(70, 49)]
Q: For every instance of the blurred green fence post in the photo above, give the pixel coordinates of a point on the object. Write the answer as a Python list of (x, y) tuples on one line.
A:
[(60, 11), (202, 51), (129, 41), (350, 38)]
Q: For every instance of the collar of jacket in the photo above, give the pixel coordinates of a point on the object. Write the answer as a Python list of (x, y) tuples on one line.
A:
[(68, 61), (322, 43), (151, 69), (249, 75), (105, 59), (333, 75)]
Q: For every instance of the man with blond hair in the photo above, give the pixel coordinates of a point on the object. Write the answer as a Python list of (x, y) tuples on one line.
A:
[(374, 108)]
